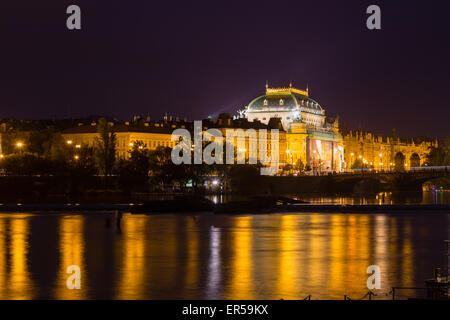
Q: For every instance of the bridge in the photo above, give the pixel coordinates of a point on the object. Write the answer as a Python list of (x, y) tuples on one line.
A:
[(410, 179), (363, 180)]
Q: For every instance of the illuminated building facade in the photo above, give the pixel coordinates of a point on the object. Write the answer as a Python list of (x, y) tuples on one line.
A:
[(310, 137), (159, 133), (383, 153)]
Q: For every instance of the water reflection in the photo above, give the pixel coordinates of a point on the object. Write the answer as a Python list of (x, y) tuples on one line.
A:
[(425, 197), (278, 256)]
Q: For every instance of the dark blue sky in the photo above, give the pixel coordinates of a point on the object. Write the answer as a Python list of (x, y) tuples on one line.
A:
[(198, 58)]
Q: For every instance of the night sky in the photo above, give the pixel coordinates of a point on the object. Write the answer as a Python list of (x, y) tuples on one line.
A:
[(198, 58)]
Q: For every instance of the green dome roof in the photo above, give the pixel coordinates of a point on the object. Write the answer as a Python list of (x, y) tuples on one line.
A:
[(286, 98)]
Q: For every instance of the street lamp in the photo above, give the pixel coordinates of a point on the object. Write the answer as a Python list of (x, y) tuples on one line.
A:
[(19, 145), (351, 160)]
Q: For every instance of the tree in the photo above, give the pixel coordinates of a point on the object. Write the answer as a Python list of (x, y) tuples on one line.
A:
[(357, 164), (439, 156), (105, 148), (299, 166), (58, 149), (161, 168), (139, 159)]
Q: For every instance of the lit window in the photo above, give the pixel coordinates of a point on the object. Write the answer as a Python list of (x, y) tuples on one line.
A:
[(281, 102), (265, 102)]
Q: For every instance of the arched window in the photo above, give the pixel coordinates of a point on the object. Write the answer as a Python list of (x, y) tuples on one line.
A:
[(265, 102), (281, 102)]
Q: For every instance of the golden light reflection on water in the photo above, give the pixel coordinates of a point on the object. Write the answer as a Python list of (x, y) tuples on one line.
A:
[(337, 252), (71, 252), (131, 257), (235, 257), (19, 277), (290, 268), (3, 264), (241, 284)]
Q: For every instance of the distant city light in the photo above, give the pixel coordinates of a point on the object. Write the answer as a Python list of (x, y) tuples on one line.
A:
[(78, 146), (69, 141), (19, 144)]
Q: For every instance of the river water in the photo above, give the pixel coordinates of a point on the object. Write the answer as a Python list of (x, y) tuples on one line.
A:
[(206, 256)]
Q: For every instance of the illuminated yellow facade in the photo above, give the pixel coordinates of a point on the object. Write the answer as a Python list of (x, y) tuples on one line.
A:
[(153, 136), (310, 138), (382, 153)]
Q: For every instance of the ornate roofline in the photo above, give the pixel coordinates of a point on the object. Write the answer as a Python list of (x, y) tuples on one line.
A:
[(282, 90)]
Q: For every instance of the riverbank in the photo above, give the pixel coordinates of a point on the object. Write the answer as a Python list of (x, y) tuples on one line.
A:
[(300, 208)]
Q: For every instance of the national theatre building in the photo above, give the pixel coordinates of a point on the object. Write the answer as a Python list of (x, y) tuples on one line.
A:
[(310, 137), (318, 143)]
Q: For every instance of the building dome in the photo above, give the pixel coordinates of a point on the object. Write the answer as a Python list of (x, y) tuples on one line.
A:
[(288, 99)]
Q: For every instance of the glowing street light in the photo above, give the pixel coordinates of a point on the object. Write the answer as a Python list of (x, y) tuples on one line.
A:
[(19, 144), (76, 157), (78, 146), (69, 141)]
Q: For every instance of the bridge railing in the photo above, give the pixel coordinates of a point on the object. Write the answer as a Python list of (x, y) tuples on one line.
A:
[(393, 170)]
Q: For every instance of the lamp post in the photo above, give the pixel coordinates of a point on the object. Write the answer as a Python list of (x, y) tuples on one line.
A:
[(314, 162), (381, 160), (351, 160), (19, 145)]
